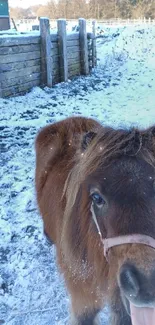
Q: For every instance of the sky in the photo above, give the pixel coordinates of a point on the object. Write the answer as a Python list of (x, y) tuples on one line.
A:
[(26, 3)]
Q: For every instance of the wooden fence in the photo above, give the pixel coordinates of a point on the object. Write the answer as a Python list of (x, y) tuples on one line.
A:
[(43, 59), (28, 23)]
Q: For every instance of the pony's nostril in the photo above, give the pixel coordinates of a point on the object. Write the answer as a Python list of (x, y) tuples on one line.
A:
[(129, 280)]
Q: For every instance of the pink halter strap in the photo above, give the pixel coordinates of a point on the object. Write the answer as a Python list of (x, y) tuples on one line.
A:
[(127, 239), (121, 240)]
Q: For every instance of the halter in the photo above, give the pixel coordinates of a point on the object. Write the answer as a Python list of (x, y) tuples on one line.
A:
[(121, 240)]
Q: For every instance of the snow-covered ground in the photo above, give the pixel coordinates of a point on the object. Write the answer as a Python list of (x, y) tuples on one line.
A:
[(120, 92)]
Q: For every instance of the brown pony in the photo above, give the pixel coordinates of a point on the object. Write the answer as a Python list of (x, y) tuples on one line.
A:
[(92, 183)]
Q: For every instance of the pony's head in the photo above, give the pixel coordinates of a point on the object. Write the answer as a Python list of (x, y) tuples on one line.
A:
[(110, 193)]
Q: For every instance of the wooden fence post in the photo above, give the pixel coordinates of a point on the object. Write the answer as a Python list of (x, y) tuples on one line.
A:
[(83, 46), (0, 90), (94, 58), (46, 60), (62, 46)]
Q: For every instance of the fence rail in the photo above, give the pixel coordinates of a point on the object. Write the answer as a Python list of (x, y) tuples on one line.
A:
[(44, 58), (119, 21)]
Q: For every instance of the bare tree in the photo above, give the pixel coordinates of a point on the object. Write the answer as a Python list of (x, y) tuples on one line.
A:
[(89, 9)]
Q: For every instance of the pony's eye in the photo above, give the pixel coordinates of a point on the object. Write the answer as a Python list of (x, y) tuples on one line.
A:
[(97, 199)]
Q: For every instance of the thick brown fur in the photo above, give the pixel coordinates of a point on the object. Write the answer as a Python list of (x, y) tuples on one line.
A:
[(68, 155)]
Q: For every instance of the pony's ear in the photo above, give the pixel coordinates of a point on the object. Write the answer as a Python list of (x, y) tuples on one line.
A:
[(149, 135), (153, 131), (149, 139), (87, 138), (133, 145)]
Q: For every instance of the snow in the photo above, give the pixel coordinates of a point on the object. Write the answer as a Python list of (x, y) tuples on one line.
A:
[(14, 33), (120, 92)]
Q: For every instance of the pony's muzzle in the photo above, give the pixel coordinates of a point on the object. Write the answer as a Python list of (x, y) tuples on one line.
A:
[(137, 287), (129, 281), (138, 294)]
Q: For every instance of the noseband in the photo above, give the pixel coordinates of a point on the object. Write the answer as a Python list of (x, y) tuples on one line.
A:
[(121, 240)]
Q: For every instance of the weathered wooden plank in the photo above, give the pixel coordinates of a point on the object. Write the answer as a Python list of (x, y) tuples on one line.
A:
[(55, 58), (19, 40), (56, 69), (55, 51), (54, 37), (46, 62), (62, 43), (74, 55), (1, 90), (55, 65), (20, 57), (83, 47), (56, 80), (73, 49), (71, 43), (20, 80), (74, 73), (75, 66), (74, 61), (94, 56), (57, 75), (73, 36), (19, 89), (18, 65), (19, 49), (6, 76), (54, 45), (56, 72)]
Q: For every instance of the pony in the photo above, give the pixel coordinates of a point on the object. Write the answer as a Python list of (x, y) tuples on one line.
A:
[(95, 188)]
